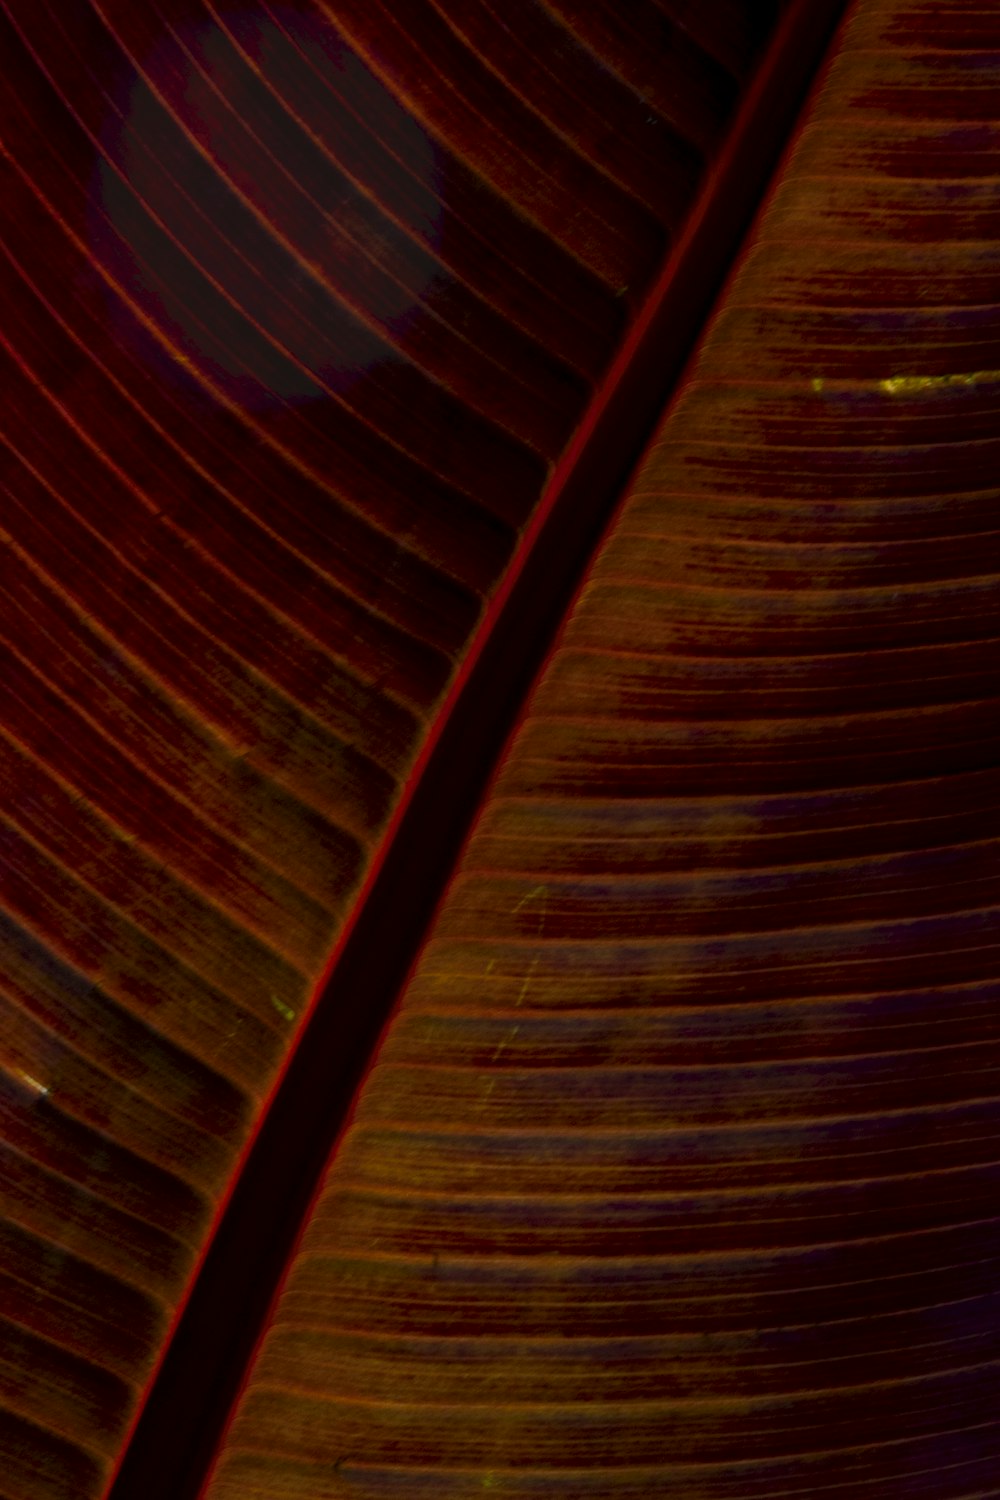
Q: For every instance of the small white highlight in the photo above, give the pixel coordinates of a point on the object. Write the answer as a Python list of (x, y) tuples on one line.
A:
[(32, 1083)]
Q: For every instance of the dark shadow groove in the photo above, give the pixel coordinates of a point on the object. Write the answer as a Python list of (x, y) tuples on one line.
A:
[(194, 1390)]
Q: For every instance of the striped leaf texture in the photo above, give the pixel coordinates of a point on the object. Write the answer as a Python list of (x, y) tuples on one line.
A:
[(676, 1174), (304, 306)]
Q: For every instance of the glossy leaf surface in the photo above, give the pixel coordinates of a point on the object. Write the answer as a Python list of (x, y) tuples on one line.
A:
[(676, 1172), (302, 307)]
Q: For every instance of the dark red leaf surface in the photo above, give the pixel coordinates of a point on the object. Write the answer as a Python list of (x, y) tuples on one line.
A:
[(676, 1172), (302, 306)]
